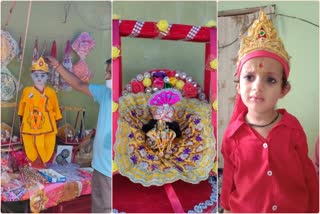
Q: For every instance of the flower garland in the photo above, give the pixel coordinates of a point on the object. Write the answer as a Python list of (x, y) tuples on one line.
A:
[(155, 80)]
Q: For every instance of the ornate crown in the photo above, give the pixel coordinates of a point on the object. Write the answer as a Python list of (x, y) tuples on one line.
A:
[(163, 101), (40, 65), (262, 35)]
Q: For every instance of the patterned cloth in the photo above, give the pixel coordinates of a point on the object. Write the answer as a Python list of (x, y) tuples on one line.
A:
[(45, 195), (191, 156)]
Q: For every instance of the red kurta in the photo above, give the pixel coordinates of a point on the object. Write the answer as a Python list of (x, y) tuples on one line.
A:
[(268, 175)]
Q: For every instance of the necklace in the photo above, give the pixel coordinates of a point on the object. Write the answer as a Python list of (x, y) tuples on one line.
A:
[(261, 126)]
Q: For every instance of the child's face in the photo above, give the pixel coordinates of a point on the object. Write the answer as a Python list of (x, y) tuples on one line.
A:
[(260, 84), (39, 78)]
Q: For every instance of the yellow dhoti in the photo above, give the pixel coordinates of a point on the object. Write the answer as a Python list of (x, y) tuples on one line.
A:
[(40, 111), (42, 145)]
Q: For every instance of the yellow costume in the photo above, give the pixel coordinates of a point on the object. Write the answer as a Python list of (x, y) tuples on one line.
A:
[(39, 112)]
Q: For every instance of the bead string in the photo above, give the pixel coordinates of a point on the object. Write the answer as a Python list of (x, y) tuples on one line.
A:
[(261, 126)]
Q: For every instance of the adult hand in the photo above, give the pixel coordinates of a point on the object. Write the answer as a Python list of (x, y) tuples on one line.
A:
[(50, 60)]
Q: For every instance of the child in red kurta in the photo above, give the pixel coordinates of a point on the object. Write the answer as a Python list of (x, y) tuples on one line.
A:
[(39, 109), (266, 163)]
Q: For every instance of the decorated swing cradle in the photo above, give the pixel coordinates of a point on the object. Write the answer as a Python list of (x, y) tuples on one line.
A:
[(131, 109)]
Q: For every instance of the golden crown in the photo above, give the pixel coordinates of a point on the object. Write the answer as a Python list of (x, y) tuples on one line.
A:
[(40, 65), (262, 35)]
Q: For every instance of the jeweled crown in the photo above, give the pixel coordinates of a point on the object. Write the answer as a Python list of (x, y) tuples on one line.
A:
[(40, 65), (161, 104), (262, 35)]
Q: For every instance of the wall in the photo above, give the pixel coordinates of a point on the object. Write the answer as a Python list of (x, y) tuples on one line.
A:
[(302, 43), (140, 55), (47, 24)]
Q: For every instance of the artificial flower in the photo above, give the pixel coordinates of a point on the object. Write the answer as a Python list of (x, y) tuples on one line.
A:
[(189, 90), (215, 105), (136, 87), (173, 81), (158, 83), (211, 23), (115, 52), (163, 26), (115, 17), (179, 84), (114, 106), (214, 64), (146, 82), (159, 74), (171, 73)]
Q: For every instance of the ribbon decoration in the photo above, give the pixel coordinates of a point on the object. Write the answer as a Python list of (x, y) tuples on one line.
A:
[(10, 12), (138, 29), (192, 33), (35, 55), (55, 75), (54, 49), (67, 63), (173, 198), (20, 49)]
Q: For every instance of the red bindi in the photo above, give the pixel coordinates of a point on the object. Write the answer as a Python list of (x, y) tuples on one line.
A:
[(260, 65)]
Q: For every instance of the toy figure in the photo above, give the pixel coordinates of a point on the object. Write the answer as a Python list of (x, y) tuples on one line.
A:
[(39, 111)]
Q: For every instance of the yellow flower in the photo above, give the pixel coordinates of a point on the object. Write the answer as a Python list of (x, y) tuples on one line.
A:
[(115, 52), (173, 81), (146, 82), (114, 106), (163, 26), (211, 23), (180, 84), (115, 16), (214, 64), (215, 105), (114, 166)]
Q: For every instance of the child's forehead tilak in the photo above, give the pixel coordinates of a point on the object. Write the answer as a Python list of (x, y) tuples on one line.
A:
[(261, 65)]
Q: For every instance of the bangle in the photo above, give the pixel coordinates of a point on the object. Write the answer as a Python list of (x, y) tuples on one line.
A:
[(56, 66)]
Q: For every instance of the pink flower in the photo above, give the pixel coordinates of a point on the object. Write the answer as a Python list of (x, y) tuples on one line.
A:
[(189, 90), (136, 87), (158, 83)]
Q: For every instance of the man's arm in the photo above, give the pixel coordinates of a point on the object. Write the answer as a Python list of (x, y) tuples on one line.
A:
[(69, 77)]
